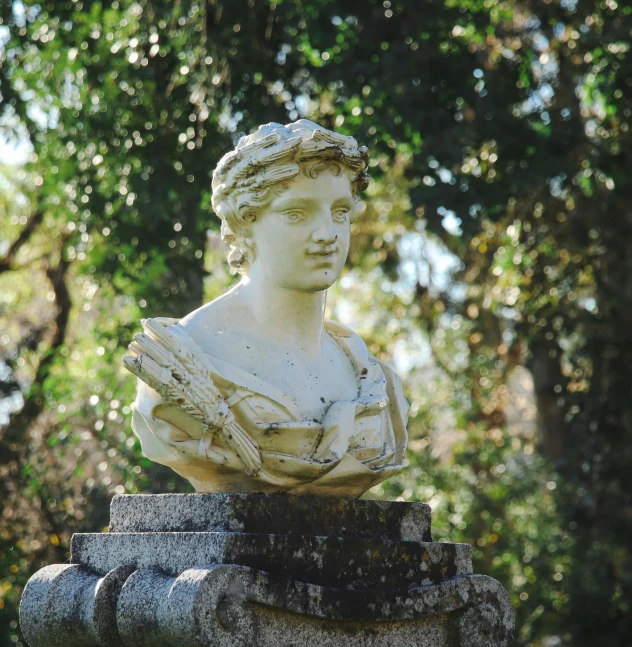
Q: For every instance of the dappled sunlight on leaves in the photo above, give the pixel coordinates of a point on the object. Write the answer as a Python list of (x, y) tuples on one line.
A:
[(490, 266)]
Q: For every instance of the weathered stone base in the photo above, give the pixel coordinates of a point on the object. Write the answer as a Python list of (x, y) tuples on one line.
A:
[(151, 586)]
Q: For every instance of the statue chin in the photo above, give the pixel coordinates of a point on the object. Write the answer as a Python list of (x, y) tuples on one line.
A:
[(317, 282)]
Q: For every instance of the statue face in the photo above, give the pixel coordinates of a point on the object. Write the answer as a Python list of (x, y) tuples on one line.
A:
[(302, 238)]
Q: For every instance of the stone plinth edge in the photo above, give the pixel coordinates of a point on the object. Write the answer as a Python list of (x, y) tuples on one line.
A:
[(270, 514), (329, 561)]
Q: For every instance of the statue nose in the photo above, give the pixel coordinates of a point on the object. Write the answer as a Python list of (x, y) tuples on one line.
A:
[(325, 233)]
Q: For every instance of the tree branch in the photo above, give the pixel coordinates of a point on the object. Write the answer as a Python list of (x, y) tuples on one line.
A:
[(34, 400), (6, 262)]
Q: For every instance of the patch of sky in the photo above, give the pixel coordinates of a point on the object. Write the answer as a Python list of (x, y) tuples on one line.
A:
[(445, 175), (546, 92), (539, 99), (474, 210), (23, 13), (425, 260), (15, 147), (540, 42), (14, 152), (589, 304), (412, 352), (556, 185), (303, 104), (590, 127), (11, 402), (508, 313), (228, 121), (451, 222), (559, 29), (532, 22), (19, 13), (41, 118), (5, 36)]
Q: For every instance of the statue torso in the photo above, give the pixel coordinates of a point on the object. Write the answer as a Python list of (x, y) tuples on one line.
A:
[(313, 383), (333, 425)]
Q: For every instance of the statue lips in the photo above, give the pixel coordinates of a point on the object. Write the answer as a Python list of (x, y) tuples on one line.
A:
[(324, 254)]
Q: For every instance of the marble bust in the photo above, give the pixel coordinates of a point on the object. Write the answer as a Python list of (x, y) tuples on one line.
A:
[(256, 391)]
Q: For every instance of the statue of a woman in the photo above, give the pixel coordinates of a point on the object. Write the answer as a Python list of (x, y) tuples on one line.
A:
[(256, 391)]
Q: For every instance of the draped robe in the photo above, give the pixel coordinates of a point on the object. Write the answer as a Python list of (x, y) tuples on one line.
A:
[(357, 443)]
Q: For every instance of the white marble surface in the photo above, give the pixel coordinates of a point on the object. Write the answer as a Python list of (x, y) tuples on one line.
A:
[(256, 391)]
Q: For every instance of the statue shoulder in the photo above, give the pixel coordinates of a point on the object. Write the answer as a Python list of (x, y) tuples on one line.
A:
[(354, 345), (339, 330), (218, 317), (357, 348)]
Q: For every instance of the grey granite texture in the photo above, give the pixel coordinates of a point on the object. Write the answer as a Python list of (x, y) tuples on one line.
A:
[(233, 605), (330, 561), (275, 586), (66, 605), (270, 514)]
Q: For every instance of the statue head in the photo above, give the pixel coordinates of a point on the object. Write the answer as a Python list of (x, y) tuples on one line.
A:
[(274, 160)]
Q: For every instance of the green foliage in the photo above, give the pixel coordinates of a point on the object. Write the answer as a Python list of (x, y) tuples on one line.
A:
[(491, 265)]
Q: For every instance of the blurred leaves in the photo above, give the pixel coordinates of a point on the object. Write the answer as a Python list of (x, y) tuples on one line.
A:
[(491, 265)]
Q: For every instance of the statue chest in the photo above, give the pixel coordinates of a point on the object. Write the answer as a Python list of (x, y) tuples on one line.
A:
[(312, 384)]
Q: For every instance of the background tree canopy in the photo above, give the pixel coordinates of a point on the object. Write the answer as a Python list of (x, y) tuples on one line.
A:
[(492, 264)]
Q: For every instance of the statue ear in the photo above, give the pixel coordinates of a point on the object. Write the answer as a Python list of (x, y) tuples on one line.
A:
[(246, 246), (243, 237), (242, 252)]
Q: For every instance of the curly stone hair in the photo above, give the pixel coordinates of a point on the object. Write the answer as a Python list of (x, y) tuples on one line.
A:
[(248, 178)]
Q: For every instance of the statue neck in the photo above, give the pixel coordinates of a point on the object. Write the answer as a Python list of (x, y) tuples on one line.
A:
[(290, 317)]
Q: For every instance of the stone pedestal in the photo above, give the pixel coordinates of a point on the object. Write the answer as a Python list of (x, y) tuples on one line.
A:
[(249, 570)]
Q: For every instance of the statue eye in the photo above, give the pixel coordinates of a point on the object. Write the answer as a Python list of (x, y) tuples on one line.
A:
[(293, 216), (340, 214)]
